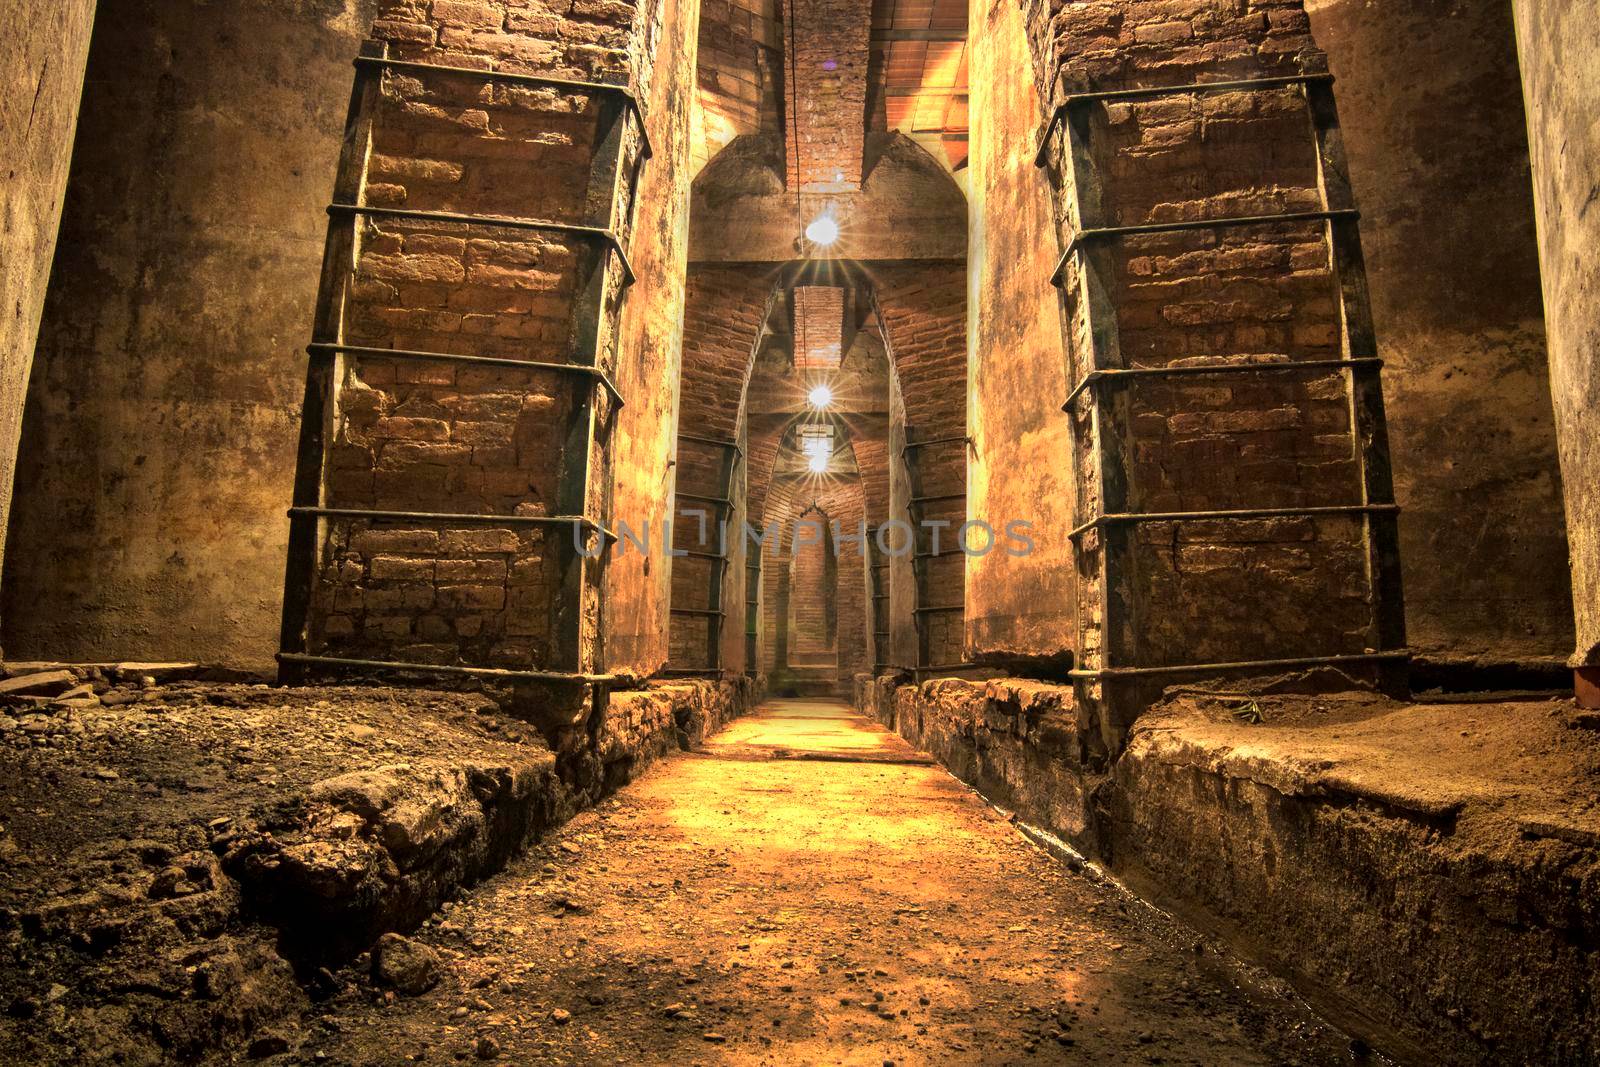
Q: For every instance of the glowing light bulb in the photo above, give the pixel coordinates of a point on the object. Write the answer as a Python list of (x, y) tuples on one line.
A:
[(823, 230), (820, 397), (819, 463)]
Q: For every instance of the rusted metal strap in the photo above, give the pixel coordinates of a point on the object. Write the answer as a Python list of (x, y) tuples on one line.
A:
[(1249, 664), (717, 442), (698, 611), (443, 668), (593, 233), (909, 445), (719, 501), (1229, 515), (939, 609), (698, 554), (448, 518), (1112, 375), (596, 373), (1110, 233)]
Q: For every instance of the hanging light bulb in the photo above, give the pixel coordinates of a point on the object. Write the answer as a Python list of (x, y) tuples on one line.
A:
[(816, 444), (820, 397), (823, 230)]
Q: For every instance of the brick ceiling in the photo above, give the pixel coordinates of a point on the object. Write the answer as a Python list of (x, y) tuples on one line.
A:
[(826, 64), (818, 327)]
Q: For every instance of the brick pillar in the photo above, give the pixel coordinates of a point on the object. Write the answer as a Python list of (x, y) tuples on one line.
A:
[(922, 309), (454, 426), (1282, 581), (723, 318)]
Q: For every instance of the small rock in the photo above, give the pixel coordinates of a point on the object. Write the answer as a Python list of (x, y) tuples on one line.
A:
[(265, 1045), (488, 1048), (713, 1037), (41, 681), (404, 965), (561, 1016), (169, 883)]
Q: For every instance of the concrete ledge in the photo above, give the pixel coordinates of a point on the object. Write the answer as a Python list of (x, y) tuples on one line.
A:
[(1430, 874)]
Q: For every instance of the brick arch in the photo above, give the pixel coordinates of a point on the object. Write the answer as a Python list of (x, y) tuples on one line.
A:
[(768, 439), (840, 501), (724, 314), (920, 311)]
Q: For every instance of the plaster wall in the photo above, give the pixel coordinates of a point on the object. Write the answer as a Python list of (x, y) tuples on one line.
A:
[(41, 80), (1559, 44), (1020, 609), (159, 441), (1431, 105)]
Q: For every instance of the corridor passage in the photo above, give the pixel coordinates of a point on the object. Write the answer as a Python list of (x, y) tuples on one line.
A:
[(808, 889)]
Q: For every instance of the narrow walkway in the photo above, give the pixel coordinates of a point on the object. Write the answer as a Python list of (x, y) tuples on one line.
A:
[(811, 890)]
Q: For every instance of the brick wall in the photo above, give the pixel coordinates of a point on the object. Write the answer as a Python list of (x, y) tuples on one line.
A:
[(826, 64), (922, 308), (813, 589), (722, 319), (723, 316), (795, 616)]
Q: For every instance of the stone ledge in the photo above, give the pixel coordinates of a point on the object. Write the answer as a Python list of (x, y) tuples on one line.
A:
[(1433, 866), (1437, 866), (1018, 742)]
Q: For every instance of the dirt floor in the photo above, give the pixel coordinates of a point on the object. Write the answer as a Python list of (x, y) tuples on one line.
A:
[(806, 889)]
